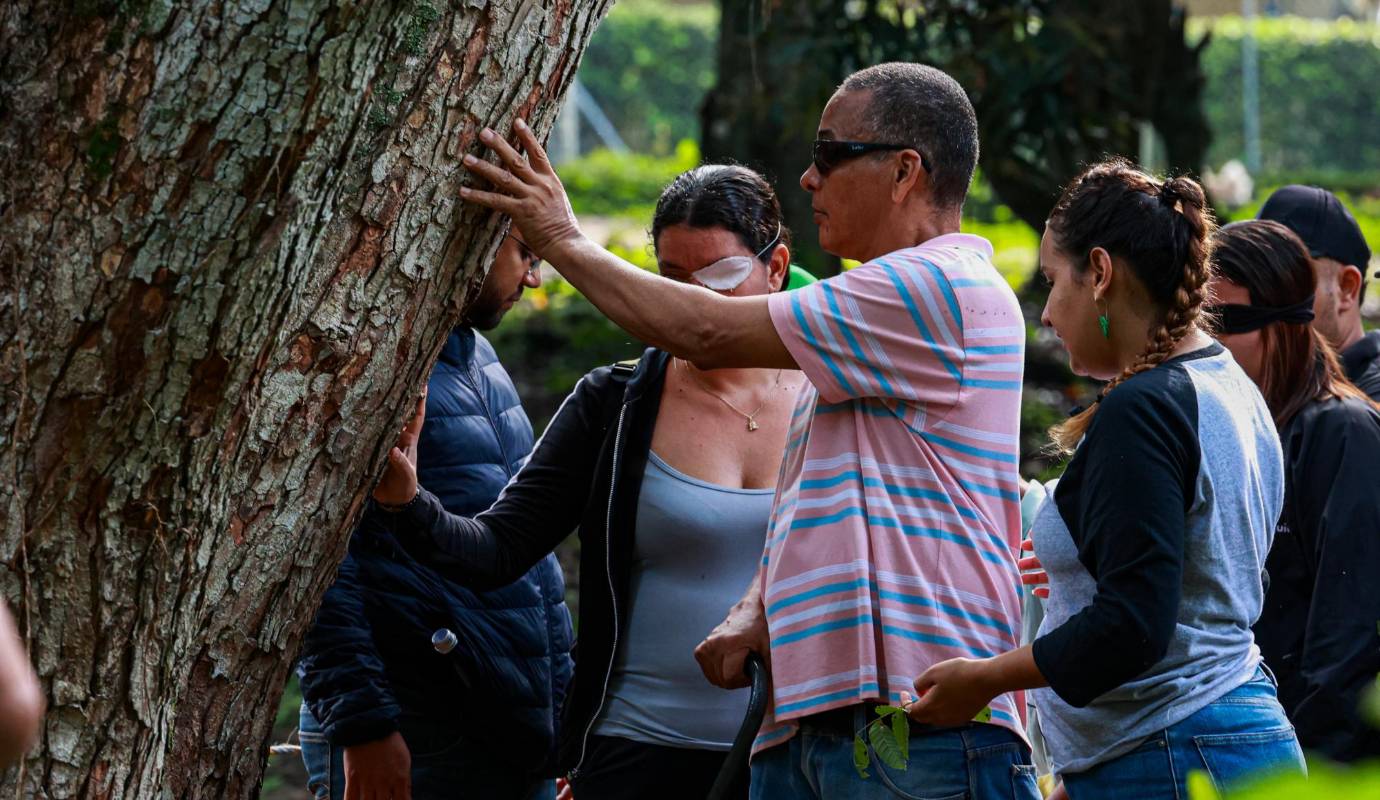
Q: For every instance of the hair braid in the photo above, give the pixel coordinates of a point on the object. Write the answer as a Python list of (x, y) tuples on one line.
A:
[(1192, 225)]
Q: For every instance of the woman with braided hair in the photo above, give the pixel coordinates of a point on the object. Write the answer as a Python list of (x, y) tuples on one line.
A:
[(1317, 631), (1145, 668)]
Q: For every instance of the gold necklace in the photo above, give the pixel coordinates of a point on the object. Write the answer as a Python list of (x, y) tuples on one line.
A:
[(751, 423)]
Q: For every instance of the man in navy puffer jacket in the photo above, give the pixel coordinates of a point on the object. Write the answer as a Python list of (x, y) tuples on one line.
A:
[(385, 714)]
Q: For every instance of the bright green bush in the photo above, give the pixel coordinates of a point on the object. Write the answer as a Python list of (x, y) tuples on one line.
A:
[(1319, 93)]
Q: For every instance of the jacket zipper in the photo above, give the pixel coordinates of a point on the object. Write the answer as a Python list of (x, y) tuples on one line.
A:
[(478, 386), (613, 599)]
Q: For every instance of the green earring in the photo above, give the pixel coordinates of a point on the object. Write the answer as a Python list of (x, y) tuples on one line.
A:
[(1103, 323)]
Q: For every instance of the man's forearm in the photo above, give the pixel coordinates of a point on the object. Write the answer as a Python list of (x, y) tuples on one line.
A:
[(753, 595), (686, 321), (1014, 670), (673, 317), (691, 322)]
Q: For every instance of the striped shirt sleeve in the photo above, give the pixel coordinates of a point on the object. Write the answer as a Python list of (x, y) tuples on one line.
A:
[(889, 329)]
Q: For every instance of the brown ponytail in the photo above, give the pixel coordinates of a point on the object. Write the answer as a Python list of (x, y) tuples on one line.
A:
[(1161, 229)]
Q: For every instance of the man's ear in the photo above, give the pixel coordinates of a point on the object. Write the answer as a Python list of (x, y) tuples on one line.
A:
[(1349, 282), (908, 176)]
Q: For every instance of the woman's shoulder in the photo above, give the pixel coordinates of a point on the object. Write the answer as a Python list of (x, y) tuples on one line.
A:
[(1165, 389), (627, 369), (1334, 419), (620, 376)]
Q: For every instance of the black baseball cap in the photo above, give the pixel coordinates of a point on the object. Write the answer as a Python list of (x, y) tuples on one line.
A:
[(1321, 221)]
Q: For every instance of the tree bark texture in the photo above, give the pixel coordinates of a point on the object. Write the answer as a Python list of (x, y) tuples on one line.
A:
[(230, 249)]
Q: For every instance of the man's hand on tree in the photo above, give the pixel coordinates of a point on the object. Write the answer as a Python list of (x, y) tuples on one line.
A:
[(398, 485), (526, 189), (379, 770)]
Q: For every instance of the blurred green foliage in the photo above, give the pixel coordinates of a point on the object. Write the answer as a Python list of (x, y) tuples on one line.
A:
[(1324, 782), (648, 66), (1319, 94), (606, 183)]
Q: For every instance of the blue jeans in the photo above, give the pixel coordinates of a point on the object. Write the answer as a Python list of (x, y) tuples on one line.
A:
[(984, 762), (444, 766), (1241, 735)]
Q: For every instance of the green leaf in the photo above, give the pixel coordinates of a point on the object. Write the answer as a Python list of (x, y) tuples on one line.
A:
[(886, 747), (985, 715), (860, 759), (887, 711), (900, 728)]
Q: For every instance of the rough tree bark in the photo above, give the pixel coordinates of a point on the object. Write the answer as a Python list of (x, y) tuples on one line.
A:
[(230, 247)]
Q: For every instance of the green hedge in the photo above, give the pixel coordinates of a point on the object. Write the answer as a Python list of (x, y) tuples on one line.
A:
[(1319, 93)]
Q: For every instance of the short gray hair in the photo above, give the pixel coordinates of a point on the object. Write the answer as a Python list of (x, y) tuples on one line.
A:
[(920, 106)]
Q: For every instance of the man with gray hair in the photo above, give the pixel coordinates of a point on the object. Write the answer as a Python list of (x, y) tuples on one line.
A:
[(892, 540)]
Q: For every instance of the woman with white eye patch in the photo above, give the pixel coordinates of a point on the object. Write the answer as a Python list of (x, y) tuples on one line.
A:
[(668, 473)]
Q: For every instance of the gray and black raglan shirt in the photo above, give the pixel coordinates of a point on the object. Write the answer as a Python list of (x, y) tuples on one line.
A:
[(1155, 543)]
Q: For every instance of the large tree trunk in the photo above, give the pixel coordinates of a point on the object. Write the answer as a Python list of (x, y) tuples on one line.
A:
[(230, 248)]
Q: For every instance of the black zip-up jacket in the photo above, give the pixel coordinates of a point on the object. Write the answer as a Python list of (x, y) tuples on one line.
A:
[(1317, 630), (1362, 364), (585, 473)]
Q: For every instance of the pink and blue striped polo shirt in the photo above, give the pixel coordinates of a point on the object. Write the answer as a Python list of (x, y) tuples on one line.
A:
[(892, 544)]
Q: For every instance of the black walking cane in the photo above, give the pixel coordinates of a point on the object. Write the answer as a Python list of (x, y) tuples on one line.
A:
[(734, 770)]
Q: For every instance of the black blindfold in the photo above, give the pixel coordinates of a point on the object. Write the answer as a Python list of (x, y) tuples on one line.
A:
[(1233, 318)]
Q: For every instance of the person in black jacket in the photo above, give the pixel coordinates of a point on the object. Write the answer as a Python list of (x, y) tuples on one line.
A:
[(385, 713), (1318, 628), (1340, 258), (667, 472)]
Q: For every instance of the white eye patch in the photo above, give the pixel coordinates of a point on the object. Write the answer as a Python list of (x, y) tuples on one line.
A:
[(725, 274)]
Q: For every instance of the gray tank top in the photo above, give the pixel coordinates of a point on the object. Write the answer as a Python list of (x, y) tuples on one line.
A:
[(696, 547)]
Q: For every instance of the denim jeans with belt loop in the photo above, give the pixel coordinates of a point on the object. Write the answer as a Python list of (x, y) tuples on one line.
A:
[(1240, 736), (975, 761)]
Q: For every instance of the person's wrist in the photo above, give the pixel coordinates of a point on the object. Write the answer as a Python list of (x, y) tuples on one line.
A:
[(398, 508), (992, 676), (565, 249)]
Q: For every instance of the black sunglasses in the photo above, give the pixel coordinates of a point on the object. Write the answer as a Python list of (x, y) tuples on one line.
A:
[(829, 153)]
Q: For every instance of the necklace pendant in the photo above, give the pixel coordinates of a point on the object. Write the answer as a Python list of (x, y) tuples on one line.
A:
[(751, 424)]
